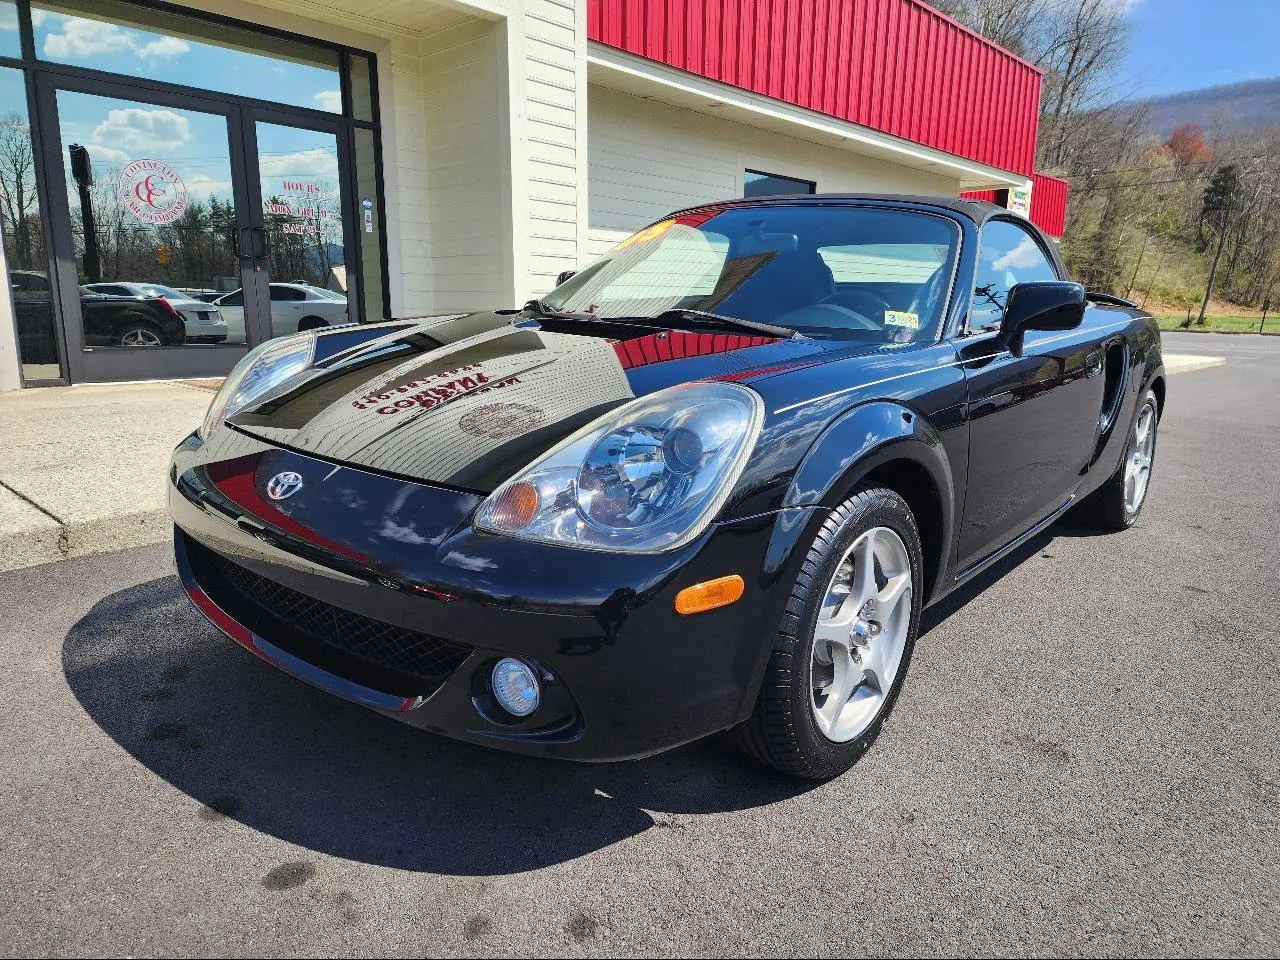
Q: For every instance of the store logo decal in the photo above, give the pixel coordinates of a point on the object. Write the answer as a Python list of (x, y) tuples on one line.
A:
[(152, 191)]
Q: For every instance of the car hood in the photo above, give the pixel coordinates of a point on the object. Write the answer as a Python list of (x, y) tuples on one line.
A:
[(466, 402)]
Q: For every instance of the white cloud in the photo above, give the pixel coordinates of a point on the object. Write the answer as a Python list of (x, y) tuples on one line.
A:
[(316, 162), (104, 158), (201, 185), (8, 18), (85, 39), (1025, 254), (141, 131), (80, 39), (330, 100), (163, 48)]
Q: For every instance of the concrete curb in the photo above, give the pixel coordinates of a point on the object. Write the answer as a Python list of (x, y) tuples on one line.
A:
[(1186, 362), (30, 538)]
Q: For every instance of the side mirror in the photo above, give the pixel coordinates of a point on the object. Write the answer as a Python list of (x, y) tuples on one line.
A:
[(565, 275), (1041, 305)]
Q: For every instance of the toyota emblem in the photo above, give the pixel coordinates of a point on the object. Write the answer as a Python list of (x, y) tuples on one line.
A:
[(284, 485)]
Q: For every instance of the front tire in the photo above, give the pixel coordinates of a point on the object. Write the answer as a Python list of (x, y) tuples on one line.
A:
[(1117, 504), (846, 638)]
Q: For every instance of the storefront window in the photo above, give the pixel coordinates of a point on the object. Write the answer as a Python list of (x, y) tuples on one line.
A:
[(10, 44), (157, 45), (25, 251)]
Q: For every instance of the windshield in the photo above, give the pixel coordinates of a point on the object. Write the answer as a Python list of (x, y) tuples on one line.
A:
[(838, 271)]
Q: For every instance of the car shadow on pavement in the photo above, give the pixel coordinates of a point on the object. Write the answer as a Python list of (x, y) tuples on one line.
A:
[(248, 742)]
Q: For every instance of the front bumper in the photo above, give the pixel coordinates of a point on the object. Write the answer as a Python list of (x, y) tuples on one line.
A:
[(623, 675)]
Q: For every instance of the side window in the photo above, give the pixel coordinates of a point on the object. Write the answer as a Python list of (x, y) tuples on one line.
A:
[(234, 299), (286, 294), (1008, 255)]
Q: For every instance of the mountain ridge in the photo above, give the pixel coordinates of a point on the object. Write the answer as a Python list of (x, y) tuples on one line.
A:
[(1249, 103)]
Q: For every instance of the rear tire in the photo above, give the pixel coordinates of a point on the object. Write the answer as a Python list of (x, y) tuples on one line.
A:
[(800, 726), (140, 333), (1117, 504)]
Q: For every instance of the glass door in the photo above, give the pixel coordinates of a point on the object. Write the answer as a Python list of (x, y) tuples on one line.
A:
[(148, 220), (187, 229), (302, 231)]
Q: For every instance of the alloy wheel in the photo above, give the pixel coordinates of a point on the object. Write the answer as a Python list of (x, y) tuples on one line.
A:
[(860, 634), (140, 337), (1137, 467)]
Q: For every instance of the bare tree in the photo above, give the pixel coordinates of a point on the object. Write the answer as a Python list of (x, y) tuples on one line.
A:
[(18, 201), (1016, 25), (1085, 43)]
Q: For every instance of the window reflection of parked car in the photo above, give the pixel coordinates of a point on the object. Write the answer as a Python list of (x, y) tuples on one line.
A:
[(203, 320), (121, 321), (295, 307)]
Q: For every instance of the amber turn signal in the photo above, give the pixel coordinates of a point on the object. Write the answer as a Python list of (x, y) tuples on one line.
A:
[(516, 506), (710, 594)]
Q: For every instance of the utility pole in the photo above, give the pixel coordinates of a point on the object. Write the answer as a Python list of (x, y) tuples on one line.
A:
[(82, 174)]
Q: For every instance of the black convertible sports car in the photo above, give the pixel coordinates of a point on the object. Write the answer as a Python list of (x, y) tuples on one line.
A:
[(707, 484)]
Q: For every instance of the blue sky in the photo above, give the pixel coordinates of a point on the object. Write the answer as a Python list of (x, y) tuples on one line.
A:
[(1188, 44)]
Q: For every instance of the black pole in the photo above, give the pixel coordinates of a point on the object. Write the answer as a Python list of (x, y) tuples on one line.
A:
[(82, 173)]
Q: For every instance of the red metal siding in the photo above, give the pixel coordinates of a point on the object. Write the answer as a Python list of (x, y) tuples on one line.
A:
[(897, 66), (1049, 203)]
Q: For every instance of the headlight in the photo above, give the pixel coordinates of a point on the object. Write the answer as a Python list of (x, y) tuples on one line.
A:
[(644, 478), (262, 369)]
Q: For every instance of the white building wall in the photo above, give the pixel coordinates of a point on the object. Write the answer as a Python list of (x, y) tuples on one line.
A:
[(549, 141), (455, 252), (646, 159)]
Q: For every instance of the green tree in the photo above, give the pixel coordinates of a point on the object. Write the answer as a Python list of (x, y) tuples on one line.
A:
[(1217, 213)]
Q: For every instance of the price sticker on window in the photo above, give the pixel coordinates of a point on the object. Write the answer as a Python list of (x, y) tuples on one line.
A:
[(901, 318)]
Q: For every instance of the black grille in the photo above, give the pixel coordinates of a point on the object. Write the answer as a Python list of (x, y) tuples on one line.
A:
[(383, 645)]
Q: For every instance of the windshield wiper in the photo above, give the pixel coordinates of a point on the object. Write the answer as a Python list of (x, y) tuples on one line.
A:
[(701, 318)]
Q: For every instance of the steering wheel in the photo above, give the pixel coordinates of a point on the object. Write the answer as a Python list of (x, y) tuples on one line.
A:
[(878, 303), (830, 315)]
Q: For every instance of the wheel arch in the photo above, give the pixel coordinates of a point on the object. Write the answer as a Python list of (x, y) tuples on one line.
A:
[(885, 443), (1158, 387)]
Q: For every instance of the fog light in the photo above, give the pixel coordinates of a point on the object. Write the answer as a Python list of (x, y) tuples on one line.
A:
[(515, 687)]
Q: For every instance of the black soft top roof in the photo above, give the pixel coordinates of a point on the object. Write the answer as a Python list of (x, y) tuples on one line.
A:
[(976, 210)]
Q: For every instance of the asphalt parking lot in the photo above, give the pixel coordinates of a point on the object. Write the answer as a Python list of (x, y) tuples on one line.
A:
[(1084, 760)]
